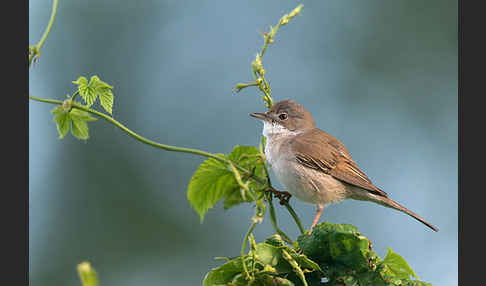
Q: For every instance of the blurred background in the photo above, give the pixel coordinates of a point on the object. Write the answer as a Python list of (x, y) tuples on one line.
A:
[(381, 76)]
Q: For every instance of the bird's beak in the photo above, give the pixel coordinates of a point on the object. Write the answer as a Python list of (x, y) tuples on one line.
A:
[(262, 116)]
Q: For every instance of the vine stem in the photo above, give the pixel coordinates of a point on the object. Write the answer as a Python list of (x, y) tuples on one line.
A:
[(49, 26), (273, 220), (46, 32), (294, 215), (138, 137), (243, 246)]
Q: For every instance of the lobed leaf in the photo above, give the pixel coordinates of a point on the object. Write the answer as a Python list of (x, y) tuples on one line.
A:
[(223, 274), (106, 100), (86, 90), (215, 180), (398, 266), (79, 129), (62, 119), (209, 184), (247, 157)]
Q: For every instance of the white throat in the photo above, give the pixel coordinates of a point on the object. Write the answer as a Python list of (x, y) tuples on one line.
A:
[(272, 130), (275, 134)]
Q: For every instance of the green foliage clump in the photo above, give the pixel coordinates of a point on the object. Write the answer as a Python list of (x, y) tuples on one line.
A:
[(66, 117), (334, 254), (268, 263)]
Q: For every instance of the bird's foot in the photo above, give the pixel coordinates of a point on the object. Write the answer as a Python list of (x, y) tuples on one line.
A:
[(282, 196)]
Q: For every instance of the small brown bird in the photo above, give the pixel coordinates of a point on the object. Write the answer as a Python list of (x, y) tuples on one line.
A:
[(313, 165)]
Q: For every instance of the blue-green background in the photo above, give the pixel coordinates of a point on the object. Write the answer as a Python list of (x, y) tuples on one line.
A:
[(381, 76)]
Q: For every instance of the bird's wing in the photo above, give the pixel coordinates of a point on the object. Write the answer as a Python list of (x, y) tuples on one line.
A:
[(319, 150)]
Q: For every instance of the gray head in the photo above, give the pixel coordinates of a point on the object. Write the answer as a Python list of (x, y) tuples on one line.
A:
[(285, 117)]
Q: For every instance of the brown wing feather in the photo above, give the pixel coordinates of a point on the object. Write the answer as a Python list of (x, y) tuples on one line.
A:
[(319, 150)]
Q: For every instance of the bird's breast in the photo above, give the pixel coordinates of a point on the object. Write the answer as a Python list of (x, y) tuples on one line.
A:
[(306, 184)]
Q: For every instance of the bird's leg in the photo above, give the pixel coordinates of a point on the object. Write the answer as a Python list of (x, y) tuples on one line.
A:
[(316, 218), (282, 196)]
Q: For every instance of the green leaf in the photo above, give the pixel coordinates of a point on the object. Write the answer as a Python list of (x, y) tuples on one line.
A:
[(234, 197), (398, 266), (103, 90), (305, 262), (99, 83), (62, 119), (86, 90), (106, 100), (248, 158), (268, 254), (244, 155), (295, 266), (223, 274), (87, 274), (215, 180), (81, 81), (208, 185), (79, 129), (81, 115)]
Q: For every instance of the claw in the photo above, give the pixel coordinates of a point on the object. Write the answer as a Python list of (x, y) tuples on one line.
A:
[(282, 196)]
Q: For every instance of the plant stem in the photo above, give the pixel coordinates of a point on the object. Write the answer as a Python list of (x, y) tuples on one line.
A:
[(37, 47), (74, 95), (273, 220), (243, 246), (294, 215), (49, 26), (159, 145), (52, 101), (135, 135)]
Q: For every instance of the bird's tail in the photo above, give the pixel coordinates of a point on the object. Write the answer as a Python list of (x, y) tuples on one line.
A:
[(387, 202)]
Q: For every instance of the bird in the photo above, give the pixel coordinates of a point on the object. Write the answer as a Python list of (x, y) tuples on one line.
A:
[(314, 166)]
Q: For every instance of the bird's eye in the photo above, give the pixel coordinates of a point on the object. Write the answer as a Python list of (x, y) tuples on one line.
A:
[(283, 116)]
